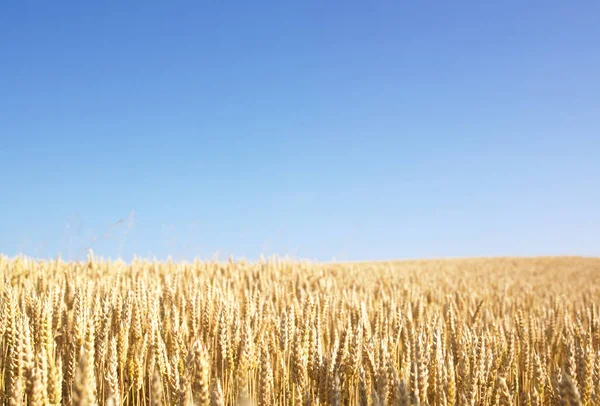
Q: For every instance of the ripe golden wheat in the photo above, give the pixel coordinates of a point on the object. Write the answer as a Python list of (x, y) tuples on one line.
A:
[(456, 332)]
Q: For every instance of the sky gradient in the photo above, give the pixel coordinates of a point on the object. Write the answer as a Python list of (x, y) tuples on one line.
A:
[(319, 130)]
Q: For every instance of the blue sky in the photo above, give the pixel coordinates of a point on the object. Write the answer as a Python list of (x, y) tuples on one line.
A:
[(347, 130)]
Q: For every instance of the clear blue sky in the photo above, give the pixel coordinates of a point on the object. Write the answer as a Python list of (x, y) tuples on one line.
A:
[(354, 130)]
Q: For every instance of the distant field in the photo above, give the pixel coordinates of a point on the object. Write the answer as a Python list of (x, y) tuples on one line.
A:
[(505, 331)]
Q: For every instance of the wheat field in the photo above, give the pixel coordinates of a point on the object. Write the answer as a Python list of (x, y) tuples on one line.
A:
[(504, 331)]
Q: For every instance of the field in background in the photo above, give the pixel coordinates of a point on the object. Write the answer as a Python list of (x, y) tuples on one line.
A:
[(508, 331)]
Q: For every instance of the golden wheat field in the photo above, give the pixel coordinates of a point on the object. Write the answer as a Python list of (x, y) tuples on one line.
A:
[(505, 331)]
